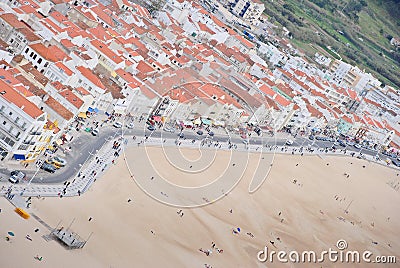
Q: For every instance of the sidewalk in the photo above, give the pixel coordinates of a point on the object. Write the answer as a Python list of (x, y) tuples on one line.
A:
[(93, 169)]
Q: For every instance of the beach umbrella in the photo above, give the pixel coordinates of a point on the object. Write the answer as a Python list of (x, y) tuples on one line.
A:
[(238, 229), (10, 233)]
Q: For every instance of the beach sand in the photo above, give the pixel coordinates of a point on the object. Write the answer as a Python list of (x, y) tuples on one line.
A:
[(148, 233)]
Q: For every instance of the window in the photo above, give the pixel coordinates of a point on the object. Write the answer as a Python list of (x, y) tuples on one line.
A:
[(24, 125), (34, 57), (16, 120), (12, 40), (31, 55), (4, 123), (39, 61), (46, 64), (10, 113)]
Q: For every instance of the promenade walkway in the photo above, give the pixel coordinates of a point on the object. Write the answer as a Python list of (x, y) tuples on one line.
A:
[(107, 155)]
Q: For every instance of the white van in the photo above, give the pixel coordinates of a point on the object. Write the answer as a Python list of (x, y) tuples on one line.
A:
[(16, 176)]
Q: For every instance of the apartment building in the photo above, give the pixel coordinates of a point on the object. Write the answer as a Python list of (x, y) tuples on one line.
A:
[(21, 125), (248, 10)]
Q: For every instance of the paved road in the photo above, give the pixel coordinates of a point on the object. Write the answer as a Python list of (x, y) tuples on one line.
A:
[(87, 145)]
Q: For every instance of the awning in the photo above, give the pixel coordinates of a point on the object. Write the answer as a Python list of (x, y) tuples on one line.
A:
[(67, 137), (19, 157), (197, 121), (219, 123), (157, 118), (82, 115), (206, 121), (59, 142), (119, 110), (92, 110), (188, 123)]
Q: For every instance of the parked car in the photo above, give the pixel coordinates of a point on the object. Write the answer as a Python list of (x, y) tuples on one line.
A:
[(95, 132), (117, 124), (181, 135), (16, 176), (59, 161), (130, 125), (211, 133), (311, 137), (199, 132), (151, 128), (48, 167)]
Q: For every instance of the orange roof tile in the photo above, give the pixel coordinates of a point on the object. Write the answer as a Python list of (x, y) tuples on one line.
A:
[(128, 78), (12, 96), (12, 20), (51, 53), (71, 98), (106, 51), (82, 91), (59, 108), (91, 76), (64, 68)]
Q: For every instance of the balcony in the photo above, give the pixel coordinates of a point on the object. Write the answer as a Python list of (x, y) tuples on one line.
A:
[(35, 133)]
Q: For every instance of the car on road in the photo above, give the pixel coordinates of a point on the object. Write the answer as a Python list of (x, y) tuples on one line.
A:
[(181, 135), (289, 142), (396, 163), (319, 138), (342, 143), (350, 143), (357, 146), (117, 124), (199, 132), (169, 129), (95, 132), (211, 134), (16, 176), (311, 137), (151, 128), (130, 125), (48, 167)]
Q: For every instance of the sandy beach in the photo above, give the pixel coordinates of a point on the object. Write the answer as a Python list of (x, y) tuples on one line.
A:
[(138, 222)]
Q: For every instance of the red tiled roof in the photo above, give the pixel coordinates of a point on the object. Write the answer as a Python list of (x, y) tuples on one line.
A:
[(51, 53), (106, 51), (59, 108), (128, 78), (64, 68), (82, 91), (204, 28), (72, 98), (12, 20), (29, 34), (147, 92), (347, 119), (12, 96), (91, 76)]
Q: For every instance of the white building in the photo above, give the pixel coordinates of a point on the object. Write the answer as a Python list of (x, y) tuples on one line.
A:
[(21, 125), (248, 10)]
